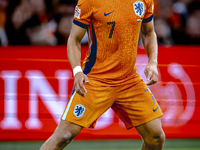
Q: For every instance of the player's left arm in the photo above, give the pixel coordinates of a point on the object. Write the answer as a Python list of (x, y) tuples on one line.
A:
[(149, 39)]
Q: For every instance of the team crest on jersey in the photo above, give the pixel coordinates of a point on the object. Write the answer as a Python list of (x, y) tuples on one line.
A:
[(139, 8), (77, 12), (79, 111)]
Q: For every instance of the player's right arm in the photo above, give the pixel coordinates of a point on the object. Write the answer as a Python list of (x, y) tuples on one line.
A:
[(74, 56)]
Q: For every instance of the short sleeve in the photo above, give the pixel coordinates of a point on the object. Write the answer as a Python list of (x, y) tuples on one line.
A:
[(83, 13), (149, 11)]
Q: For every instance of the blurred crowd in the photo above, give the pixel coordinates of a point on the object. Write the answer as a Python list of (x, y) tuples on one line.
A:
[(35, 22), (48, 22), (178, 22)]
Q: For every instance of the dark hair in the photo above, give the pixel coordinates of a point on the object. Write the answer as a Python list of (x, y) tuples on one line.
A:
[(69, 2), (195, 5)]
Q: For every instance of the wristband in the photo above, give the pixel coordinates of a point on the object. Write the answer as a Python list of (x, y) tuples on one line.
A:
[(76, 70)]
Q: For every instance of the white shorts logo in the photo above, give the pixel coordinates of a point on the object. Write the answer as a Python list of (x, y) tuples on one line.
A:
[(139, 8), (79, 110)]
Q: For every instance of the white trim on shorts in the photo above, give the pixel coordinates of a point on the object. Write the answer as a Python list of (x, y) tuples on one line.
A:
[(68, 106)]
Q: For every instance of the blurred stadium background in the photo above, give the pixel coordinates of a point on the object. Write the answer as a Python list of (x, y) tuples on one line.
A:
[(48, 22), (192, 144), (36, 78)]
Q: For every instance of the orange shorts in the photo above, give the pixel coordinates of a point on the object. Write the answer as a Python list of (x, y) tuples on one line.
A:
[(133, 104)]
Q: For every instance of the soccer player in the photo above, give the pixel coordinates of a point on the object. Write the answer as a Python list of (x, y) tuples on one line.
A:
[(108, 77)]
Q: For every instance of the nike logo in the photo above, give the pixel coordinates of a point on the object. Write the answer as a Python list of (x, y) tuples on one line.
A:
[(106, 14), (154, 110)]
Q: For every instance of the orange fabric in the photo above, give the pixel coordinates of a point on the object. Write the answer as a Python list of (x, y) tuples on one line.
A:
[(43, 17), (113, 28), (175, 21), (114, 32), (155, 7), (2, 19), (130, 102)]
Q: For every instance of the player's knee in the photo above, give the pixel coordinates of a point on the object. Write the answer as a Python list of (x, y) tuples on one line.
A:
[(57, 141), (66, 136), (63, 139), (155, 141)]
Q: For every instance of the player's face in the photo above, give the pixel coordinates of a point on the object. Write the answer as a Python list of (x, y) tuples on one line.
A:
[(3, 4)]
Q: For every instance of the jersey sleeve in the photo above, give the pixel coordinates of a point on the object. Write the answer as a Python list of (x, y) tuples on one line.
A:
[(149, 11), (83, 13)]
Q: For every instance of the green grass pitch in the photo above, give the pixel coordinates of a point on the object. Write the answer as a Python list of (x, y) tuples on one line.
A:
[(181, 144)]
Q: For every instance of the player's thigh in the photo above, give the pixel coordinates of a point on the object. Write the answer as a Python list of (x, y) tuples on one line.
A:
[(66, 131), (151, 129)]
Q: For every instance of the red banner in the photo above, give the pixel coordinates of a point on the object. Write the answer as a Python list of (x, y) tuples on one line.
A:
[(35, 83)]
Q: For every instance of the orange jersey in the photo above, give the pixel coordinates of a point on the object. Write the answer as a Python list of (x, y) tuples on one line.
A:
[(113, 27)]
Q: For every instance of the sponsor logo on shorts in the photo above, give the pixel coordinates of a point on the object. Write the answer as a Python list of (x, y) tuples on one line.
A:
[(154, 110), (79, 111)]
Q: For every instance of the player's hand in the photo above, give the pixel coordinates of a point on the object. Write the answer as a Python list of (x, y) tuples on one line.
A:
[(80, 77), (151, 73)]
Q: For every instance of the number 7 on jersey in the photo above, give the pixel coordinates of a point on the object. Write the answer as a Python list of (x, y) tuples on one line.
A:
[(112, 29)]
